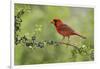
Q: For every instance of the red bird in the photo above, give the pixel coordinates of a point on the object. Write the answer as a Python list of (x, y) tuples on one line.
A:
[(64, 29)]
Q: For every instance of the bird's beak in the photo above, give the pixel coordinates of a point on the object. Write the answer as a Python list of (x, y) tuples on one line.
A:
[(52, 21)]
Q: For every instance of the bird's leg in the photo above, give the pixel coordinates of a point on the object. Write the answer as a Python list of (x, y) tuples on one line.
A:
[(68, 39), (63, 38)]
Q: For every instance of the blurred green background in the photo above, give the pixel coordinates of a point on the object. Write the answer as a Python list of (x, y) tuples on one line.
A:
[(36, 21)]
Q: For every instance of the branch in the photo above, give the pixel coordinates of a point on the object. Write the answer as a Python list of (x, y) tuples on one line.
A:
[(69, 45)]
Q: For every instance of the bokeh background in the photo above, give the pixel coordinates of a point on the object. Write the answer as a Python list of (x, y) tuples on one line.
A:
[(36, 21)]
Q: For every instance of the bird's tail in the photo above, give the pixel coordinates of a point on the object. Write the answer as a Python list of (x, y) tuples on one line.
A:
[(80, 36)]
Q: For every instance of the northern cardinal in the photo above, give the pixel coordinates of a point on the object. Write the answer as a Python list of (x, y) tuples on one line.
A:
[(64, 29)]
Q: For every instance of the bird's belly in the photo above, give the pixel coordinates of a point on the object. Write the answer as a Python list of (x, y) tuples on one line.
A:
[(65, 33)]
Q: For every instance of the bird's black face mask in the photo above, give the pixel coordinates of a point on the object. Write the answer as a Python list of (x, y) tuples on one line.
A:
[(55, 20)]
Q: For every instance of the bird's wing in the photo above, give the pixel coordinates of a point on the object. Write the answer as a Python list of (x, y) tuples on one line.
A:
[(65, 27)]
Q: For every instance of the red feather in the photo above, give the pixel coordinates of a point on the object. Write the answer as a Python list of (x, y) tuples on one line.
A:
[(64, 29)]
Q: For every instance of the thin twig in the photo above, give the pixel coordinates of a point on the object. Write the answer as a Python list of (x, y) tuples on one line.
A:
[(69, 45)]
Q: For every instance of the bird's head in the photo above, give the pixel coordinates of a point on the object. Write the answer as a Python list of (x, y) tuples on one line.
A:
[(56, 21)]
